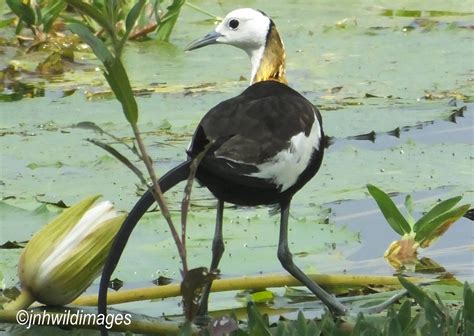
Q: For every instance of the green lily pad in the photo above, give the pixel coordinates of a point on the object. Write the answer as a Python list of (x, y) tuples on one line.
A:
[(366, 73)]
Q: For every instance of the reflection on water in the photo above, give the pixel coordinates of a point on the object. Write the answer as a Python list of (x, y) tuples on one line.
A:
[(458, 127), (452, 253), (14, 91)]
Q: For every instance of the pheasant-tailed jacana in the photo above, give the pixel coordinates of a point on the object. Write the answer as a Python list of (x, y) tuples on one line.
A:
[(262, 146)]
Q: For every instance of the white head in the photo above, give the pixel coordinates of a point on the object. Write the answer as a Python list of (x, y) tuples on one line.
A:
[(244, 28), (254, 32)]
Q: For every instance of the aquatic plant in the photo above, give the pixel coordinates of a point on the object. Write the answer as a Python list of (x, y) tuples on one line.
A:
[(419, 233)]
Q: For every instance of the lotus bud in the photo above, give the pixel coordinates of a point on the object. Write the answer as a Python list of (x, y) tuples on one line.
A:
[(65, 256)]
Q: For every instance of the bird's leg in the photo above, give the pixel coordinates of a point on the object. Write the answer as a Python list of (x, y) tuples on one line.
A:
[(217, 252), (286, 259)]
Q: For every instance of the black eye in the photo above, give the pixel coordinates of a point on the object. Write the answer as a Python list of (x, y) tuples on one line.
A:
[(234, 23)]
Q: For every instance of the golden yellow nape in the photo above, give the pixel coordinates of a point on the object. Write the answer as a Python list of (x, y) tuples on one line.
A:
[(272, 64)]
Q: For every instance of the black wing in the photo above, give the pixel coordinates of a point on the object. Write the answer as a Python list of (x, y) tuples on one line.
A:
[(250, 129)]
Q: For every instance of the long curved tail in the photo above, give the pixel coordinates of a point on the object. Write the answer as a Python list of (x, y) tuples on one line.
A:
[(169, 180)]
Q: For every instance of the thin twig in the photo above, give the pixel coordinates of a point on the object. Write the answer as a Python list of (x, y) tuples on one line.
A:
[(187, 198), (112, 151), (89, 125), (157, 194), (144, 31)]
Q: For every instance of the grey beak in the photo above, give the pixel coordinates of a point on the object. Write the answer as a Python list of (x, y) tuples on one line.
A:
[(210, 38)]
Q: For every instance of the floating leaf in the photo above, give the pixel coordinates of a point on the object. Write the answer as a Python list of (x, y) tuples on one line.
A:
[(262, 296), (89, 125), (52, 65), (389, 210), (469, 214), (165, 125), (13, 245)]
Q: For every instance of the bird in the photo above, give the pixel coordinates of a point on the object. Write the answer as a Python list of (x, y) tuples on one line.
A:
[(260, 147), (265, 144)]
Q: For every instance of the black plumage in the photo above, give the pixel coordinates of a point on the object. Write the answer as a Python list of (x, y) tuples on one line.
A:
[(247, 131)]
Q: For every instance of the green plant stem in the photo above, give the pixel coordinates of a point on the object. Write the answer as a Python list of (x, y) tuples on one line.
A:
[(251, 282), (138, 325), (187, 197), (23, 301), (158, 195), (115, 153)]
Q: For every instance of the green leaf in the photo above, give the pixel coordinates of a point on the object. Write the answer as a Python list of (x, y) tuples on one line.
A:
[(186, 329), (24, 12), (420, 297), (6, 23), (404, 315), (455, 326), (282, 329), (409, 207), (256, 322), (389, 210), (437, 210), (37, 10), (436, 323), (133, 15), (51, 13), (262, 296), (114, 71), (313, 328), (430, 231), (412, 326), (129, 23), (468, 310), (361, 327), (118, 80), (94, 14), (168, 21), (301, 324), (112, 9), (394, 328), (98, 47), (328, 325)]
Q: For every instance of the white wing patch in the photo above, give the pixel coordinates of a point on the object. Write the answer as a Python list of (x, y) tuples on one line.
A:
[(285, 167)]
